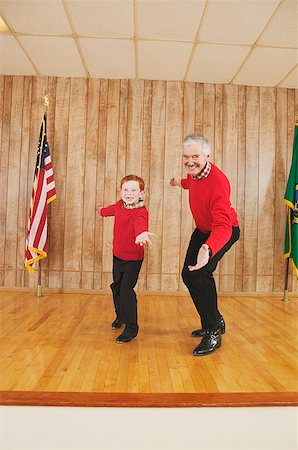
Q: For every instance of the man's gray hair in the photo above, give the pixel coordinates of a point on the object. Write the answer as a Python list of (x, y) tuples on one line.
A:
[(192, 139)]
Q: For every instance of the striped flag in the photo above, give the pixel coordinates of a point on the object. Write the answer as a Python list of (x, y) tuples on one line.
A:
[(43, 193)]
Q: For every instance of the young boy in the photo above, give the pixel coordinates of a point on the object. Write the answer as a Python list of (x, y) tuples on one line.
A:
[(130, 234)]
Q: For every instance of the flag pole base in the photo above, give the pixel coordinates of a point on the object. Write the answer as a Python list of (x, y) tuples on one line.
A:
[(286, 296), (39, 291)]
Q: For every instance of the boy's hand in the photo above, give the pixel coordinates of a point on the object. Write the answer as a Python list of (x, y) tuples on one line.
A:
[(143, 238), (98, 212), (174, 182)]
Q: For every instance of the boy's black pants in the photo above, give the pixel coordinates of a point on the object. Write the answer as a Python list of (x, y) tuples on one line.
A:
[(200, 283), (125, 276)]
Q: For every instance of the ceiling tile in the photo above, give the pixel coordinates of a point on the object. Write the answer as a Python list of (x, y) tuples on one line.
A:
[(236, 21), (266, 66), (103, 18), (216, 63), (54, 56), (169, 19), (291, 81), (163, 60), (13, 60), (109, 58), (32, 16), (283, 28)]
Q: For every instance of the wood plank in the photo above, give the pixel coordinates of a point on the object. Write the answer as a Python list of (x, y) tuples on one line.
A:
[(266, 190), (155, 200), (251, 188), (172, 207), (75, 181)]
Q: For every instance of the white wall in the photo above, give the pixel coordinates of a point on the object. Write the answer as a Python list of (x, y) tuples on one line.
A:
[(147, 428)]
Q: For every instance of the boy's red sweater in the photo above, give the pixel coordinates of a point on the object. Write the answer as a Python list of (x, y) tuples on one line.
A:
[(128, 224), (209, 200)]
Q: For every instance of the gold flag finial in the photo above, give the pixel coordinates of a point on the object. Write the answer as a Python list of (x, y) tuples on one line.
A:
[(46, 101)]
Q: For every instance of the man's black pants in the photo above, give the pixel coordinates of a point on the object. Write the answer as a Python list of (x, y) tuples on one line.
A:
[(125, 276), (200, 283)]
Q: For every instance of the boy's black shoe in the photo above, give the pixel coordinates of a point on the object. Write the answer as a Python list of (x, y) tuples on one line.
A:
[(201, 332), (125, 337), (210, 342), (117, 324)]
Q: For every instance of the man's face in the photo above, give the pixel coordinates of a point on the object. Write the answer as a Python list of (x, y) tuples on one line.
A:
[(131, 192), (193, 159)]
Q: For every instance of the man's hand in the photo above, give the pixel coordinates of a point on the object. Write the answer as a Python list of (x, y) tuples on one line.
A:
[(98, 212), (143, 238), (202, 259), (174, 182)]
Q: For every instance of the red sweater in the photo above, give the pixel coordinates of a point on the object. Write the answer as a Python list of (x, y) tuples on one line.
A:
[(209, 200), (128, 224)]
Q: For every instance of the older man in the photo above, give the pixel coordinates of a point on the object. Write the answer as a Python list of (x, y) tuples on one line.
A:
[(217, 229)]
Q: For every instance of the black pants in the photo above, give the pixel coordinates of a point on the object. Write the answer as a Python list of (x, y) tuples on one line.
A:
[(125, 276), (200, 283)]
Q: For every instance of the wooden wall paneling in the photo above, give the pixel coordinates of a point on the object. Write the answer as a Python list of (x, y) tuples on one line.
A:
[(216, 155), (199, 107), (23, 211), (145, 168), (75, 184), (2, 218), (134, 127), (89, 208), (186, 220), (240, 188), (229, 167), (172, 205), (39, 89), (12, 197), (281, 145), (59, 155), (110, 188), (155, 199), (208, 113), (122, 134), (100, 180), (5, 150), (251, 188), (266, 214)]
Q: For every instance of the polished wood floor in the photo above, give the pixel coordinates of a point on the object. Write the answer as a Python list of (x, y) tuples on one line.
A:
[(64, 343)]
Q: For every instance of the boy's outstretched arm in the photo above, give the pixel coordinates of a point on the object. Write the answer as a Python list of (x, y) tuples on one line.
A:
[(143, 238)]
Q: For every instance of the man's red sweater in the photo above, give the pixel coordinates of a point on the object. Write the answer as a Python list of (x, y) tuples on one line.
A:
[(128, 224), (209, 200)]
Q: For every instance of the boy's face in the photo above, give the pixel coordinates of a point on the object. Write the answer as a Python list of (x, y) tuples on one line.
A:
[(131, 192)]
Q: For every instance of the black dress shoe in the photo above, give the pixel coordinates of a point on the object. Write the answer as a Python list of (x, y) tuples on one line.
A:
[(124, 338), (201, 332), (210, 342), (117, 324)]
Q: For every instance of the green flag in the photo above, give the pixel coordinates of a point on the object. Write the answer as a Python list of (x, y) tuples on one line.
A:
[(291, 200)]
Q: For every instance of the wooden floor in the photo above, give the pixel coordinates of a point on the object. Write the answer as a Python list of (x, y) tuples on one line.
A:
[(63, 343)]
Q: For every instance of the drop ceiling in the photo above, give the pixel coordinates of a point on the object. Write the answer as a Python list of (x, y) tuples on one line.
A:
[(244, 42)]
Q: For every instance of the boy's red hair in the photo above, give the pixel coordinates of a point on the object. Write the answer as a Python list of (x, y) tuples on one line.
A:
[(133, 178)]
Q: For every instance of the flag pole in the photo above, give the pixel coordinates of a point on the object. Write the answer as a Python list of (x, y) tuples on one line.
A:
[(286, 297), (39, 286)]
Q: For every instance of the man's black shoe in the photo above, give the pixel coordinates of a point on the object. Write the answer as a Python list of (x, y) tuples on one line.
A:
[(201, 332), (117, 324), (124, 338), (210, 342)]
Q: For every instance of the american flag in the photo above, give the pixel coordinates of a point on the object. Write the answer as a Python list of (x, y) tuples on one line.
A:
[(43, 193)]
